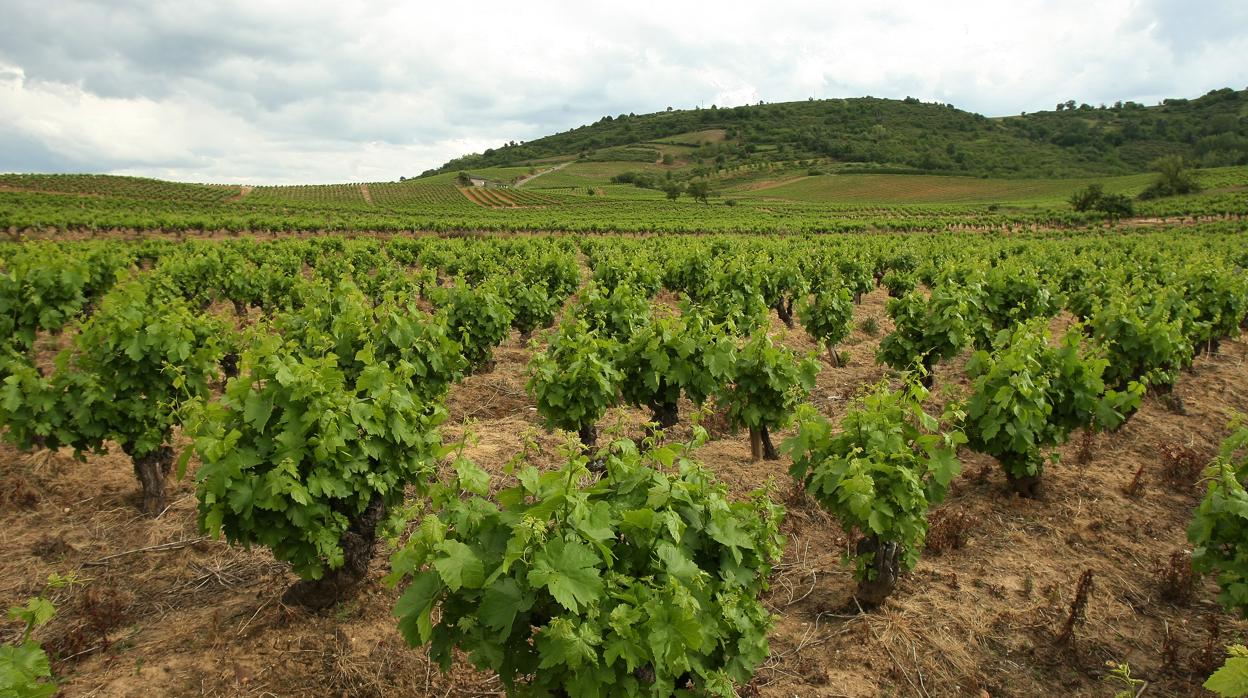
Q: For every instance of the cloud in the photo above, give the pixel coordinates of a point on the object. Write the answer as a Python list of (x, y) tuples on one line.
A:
[(299, 92)]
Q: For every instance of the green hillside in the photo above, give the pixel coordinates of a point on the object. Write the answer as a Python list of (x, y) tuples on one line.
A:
[(901, 136), (821, 166)]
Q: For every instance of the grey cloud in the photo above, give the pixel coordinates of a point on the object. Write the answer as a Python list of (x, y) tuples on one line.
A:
[(297, 88), (1188, 27), (22, 153)]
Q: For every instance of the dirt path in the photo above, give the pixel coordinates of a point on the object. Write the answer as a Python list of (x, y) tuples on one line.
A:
[(529, 178), (243, 191), (368, 196)]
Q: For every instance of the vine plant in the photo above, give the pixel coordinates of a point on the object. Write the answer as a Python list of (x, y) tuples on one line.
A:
[(878, 474), (643, 582)]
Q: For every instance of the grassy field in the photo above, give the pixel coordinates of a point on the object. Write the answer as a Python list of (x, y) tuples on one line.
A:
[(696, 138), (590, 174), (890, 188)]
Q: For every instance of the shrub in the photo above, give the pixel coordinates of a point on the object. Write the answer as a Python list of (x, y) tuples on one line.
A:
[(1029, 396), (305, 452), (829, 318), (766, 385), (670, 356), (878, 474), (646, 581), (1173, 179), (24, 668), (1219, 528), (575, 380)]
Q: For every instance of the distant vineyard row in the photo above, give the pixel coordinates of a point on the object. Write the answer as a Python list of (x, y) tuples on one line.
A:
[(40, 203)]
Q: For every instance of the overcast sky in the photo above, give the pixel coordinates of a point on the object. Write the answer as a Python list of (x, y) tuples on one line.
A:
[(302, 92)]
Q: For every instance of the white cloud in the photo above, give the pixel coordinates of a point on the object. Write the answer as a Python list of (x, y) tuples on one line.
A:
[(306, 92)]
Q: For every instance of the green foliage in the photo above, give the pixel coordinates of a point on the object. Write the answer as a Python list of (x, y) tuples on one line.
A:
[(929, 330), (301, 443), (828, 317), (854, 274), (879, 474), (530, 304), (1173, 179), (478, 318), (1219, 528), (928, 137), (732, 296), (1144, 341), (1120, 675), (1094, 198), (1116, 206), (24, 668), (1011, 295), (575, 380), (564, 585), (1231, 681), (131, 365), (767, 384), (557, 272), (616, 313), (899, 283), (614, 271), (40, 289), (670, 356), (1087, 198), (342, 321), (1220, 296), (1029, 396), (143, 355), (782, 283), (699, 190)]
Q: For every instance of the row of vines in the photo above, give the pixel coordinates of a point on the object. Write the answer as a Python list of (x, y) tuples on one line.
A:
[(310, 377)]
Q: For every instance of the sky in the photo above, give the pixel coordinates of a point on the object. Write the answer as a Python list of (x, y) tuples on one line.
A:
[(263, 92)]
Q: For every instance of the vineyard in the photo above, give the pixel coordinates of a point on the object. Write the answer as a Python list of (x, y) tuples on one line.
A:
[(581, 198), (506, 198), (999, 463)]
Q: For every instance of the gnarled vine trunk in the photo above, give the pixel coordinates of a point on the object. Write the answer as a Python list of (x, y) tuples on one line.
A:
[(884, 570), (929, 375), (784, 309), (1171, 400), (229, 365), (152, 470), (833, 357), (1027, 486), (769, 450), (588, 434), (666, 414), (357, 551)]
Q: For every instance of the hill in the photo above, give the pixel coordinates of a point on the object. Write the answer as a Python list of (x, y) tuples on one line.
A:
[(901, 136)]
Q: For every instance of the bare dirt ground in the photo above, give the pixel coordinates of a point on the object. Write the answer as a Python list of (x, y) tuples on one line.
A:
[(529, 178), (243, 191), (161, 611)]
